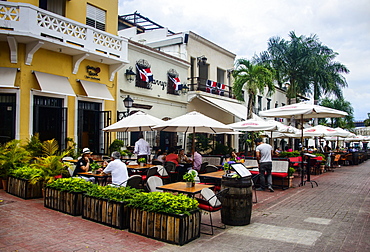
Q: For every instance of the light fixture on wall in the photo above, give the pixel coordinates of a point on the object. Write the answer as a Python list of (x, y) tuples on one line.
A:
[(127, 102), (130, 75), (184, 89), (202, 60)]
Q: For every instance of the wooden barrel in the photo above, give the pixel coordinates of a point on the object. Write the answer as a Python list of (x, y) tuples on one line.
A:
[(237, 203)]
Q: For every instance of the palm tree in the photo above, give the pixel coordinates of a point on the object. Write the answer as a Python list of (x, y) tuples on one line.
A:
[(343, 105), (252, 78), (306, 65)]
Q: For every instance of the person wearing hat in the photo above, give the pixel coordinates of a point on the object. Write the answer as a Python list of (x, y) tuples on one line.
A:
[(264, 157), (83, 164), (117, 168)]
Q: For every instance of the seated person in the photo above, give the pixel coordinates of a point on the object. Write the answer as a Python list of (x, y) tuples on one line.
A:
[(161, 157), (83, 165), (117, 168), (172, 156), (197, 160), (183, 159), (234, 157), (278, 151)]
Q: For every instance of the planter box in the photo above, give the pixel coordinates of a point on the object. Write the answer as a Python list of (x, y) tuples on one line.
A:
[(66, 202), (110, 213), (171, 228), (23, 189), (286, 183)]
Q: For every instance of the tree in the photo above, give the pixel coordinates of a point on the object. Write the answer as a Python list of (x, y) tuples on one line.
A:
[(367, 122), (252, 78), (343, 105), (306, 65)]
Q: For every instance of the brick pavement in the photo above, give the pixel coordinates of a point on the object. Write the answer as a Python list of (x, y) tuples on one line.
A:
[(331, 217)]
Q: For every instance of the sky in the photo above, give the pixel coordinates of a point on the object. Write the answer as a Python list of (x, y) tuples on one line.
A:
[(244, 27)]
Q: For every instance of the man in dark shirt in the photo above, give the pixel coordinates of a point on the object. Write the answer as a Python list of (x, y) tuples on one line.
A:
[(83, 164)]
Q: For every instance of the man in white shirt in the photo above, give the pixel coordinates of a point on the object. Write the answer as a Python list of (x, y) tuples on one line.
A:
[(142, 148), (117, 168), (264, 158)]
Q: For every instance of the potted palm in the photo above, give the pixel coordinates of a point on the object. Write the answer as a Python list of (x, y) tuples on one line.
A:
[(189, 178)]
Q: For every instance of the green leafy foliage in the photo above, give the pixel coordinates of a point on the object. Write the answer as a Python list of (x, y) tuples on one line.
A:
[(94, 166), (163, 203), (34, 146), (116, 145), (286, 154), (141, 160), (291, 171), (76, 185), (50, 147), (26, 172), (190, 176), (120, 194), (12, 155)]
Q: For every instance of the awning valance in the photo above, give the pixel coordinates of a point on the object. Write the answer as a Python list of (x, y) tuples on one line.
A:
[(54, 84), (96, 90), (235, 109), (7, 76)]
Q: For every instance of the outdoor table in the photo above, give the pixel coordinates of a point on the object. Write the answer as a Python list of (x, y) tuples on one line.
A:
[(180, 187), (214, 175), (101, 179)]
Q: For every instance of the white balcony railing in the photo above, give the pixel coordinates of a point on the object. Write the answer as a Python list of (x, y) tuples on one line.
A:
[(28, 20)]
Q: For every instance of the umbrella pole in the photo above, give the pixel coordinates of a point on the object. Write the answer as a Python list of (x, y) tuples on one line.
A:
[(302, 165), (193, 146), (271, 140)]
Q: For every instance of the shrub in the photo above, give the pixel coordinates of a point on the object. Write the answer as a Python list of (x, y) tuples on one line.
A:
[(286, 154), (76, 185), (120, 194), (163, 202), (26, 172)]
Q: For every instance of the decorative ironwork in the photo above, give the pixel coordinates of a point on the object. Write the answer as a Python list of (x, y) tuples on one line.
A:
[(143, 64), (107, 41), (173, 73)]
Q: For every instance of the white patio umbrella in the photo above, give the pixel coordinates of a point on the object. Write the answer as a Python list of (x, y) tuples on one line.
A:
[(193, 122), (303, 110), (253, 125), (324, 131), (139, 121)]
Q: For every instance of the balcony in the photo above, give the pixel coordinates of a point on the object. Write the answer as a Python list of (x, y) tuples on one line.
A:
[(200, 84), (37, 28)]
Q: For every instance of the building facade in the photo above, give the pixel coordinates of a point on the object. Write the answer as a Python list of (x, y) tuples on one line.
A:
[(57, 70)]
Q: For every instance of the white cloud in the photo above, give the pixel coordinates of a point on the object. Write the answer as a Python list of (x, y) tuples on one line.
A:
[(244, 27)]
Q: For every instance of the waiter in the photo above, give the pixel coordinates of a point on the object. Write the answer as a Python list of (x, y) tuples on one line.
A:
[(142, 148)]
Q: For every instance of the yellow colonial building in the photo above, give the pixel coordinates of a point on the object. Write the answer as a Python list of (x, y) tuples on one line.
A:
[(58, 64)]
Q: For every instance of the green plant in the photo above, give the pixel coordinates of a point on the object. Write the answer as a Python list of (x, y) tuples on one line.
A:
[(50, 147), (76, 185), (190, 176), (286, 154), (51, 167), (120, 194), (141, 160), (72, 148), (163, 202), (34, 146), (116, 145), (26, 172), (12, 156), (291, 171), (94, 166)]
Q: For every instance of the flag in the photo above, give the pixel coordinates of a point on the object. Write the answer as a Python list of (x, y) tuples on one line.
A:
[(211, 83), (221, 86), (176, 83), (145, 74)]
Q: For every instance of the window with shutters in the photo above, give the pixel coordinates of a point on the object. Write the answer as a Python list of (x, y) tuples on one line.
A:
[(56, 6), (95, 17)]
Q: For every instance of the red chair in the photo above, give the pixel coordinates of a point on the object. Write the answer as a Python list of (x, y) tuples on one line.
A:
[(211, 203)]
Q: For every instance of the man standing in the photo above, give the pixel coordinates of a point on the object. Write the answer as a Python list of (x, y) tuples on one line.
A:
[(142, 148), (264, 154), (117, 168)]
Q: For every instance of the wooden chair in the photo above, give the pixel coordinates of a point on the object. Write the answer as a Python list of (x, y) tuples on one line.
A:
[(171, 170)]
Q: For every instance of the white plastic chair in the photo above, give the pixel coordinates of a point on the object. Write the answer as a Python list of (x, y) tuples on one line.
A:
[(162, 171), (153, 182)]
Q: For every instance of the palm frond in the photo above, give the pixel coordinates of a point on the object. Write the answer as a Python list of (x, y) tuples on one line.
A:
[(50, 147)]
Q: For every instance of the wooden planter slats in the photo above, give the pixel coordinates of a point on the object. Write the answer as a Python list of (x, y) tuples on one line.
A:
[(110, 213), (171, 228), (23, 189), (66, 202)]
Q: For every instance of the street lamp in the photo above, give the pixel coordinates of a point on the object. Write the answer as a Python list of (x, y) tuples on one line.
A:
[(202, 60), (127, 102), (130, 75)]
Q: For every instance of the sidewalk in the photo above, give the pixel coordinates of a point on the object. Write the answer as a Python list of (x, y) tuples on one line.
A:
[(335, 216)]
